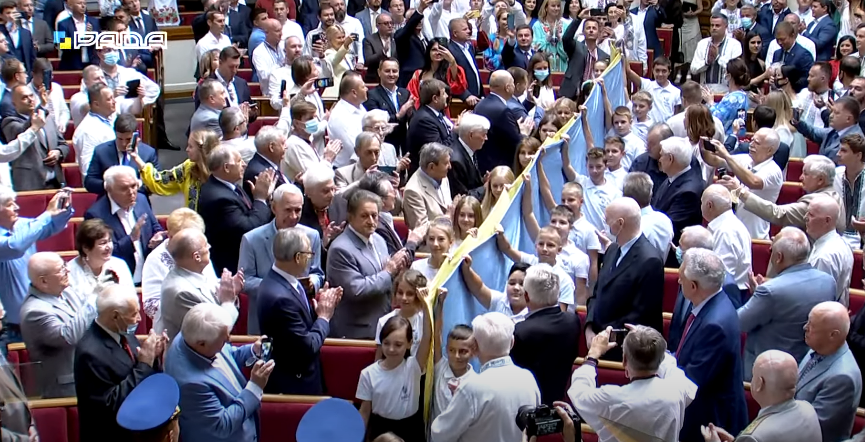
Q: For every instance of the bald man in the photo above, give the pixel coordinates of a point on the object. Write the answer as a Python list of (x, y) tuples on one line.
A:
[(270, 55), (829, 253), (504, 134), (731, 240), (631, 280), (828, 375), (781, 417)]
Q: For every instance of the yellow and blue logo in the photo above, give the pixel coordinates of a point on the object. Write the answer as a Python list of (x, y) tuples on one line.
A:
[(61, 40)]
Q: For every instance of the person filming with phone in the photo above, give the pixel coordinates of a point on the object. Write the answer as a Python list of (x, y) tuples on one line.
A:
[(123, 150)]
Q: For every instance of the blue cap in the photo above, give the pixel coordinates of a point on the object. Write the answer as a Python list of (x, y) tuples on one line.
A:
[(151, 404), (317, 425)]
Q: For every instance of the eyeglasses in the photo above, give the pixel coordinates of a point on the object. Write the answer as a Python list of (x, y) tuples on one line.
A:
[(306, 253), (386, 23)]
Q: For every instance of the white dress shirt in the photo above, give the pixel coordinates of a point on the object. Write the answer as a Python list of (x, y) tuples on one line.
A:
[(800, 40), (92, 132), (349, 127), (436, 21), (300, 156), (128, 220), (596, 199), (274, 84), (210, 42), (773, 179), (244, 146), (291, 29), (810, 112), (125, 75), (832, 255), (657, 228), (11, 151), (444, 376), (732, 243), (653, 406), (730, 49), (267, 59), (484, 409), (82, 281), (664, 99), (56, 105)]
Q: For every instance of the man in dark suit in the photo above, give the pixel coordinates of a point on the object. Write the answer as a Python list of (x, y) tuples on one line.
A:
[(823, 32), (297, 325), (653, 16), (578, 55), (796, 61), (142, 24), (411, 45), (239, 24), (679, 195), (378, 47), (630, 287), (428, 124), (504, 134), (77, 59), (307, 13), (119, 152), (229, 63), (38, 28), (647, 161), (230, 213), (20, 40), (38, 167), (397, 101), (110, 362), (464, 52), (547, 342), (270, 147), (464, 176), (749, 12), (518, 53), (771, 15), (710, 350), (136, 230)]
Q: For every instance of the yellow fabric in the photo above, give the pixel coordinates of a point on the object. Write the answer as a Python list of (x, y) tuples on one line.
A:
[(172, 181)]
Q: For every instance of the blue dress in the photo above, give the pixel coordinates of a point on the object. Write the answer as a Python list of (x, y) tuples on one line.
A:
[(727, 109)]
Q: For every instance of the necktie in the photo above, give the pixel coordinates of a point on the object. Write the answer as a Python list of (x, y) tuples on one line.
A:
[(242, 196), (232, 94), (139, 25), (690, 320), (444, 123), (475, 161), (617, 257), (125, 158), (125, 344), (815, 359), (302, 292)]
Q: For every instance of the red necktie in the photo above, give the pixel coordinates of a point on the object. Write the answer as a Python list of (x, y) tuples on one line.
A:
[(125, 344), (685, 333)]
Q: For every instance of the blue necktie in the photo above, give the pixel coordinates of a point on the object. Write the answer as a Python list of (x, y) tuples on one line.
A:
[(125, 158)]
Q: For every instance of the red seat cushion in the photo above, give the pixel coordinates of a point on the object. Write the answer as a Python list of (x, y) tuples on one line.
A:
[(583, 347), (856, 302), (260, 122), (812, 147), (72, 174), (858, 424), (82, 201), (671, 289), (666, 328), (240, 327), (70, 130), (72, 416), (760, 254), (611, 376), (245, 74), (65, 240), (31, 206), (342, 366), (857, 275), (794, 169), (279, 420), (52, 424), (401, 228), (790, 193)]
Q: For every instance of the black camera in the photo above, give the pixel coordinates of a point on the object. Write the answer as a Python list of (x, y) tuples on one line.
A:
[(544, 420)]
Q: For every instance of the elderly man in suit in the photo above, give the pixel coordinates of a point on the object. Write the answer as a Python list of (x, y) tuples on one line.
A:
[(396, 101), (187, 284), (39, 29), (579, 53), (626, 293), (710, 349), (828, 375), (428, 123), (297, 325), (16, 420), (227, 209), (774, 315), (844, 120), (213, 98), (136, 230), (367, 149), (218, 403), (379, 46), (465, 178), (77, 59), (270, 148), (110, 362), (38, 167), (52, 322), (256, 249), (358, 262), (427, 194), (679, 195), (237, 90), (504, 133), (829, 254), (119, 153)]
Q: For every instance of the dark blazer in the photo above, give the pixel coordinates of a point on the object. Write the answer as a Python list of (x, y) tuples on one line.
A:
[(28, 171), (765, 17), (711, 356), (463, 177), (298, 334), (856, 342), (475, 87), (105, 155), (307, 15), (378, 98), (411, 49), (257, 165), (823, 34), (425, 127), (683, 309), (104, 377), (781, 157), (243, 94), (148, 25), (51, 10), (546, 344), (43, 37), (503, 136), (513, 56), (796, 66), (200, 27), (680, 201), (228, 218), (577, 53), (630, 293), (240, 25), (652, 21), (649, 165), (123, 246), (7, 107), (70, 59), (373, 54), (24, 52)]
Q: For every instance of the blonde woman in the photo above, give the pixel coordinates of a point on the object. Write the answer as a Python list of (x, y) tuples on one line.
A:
[(548, 31), (501, 178), (339, 56), (783, 115), (186, 177), (207, 65), (851, 17)]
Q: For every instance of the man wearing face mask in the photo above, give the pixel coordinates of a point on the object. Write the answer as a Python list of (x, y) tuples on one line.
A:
[(120, 78), (749, 23), (110, 362)]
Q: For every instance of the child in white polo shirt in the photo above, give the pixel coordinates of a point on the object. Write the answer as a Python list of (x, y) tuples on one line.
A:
[(665, 96), (452, 370)]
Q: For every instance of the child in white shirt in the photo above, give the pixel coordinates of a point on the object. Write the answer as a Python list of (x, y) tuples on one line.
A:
[(439, 239), (511, 302), (453, 370)]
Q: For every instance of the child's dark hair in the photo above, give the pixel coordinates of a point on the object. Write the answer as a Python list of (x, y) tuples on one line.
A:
[(518, 267), (460, 332), (393, 324), (565, 211)]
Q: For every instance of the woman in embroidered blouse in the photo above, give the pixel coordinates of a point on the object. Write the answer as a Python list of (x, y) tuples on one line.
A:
[(493, 54), (738, 82), (439, 64), (95, 246), (730, 9), (339, 56), (548, 34), (186, 177)]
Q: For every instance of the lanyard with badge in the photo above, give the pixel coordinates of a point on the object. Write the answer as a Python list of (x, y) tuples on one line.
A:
[(501, 362)]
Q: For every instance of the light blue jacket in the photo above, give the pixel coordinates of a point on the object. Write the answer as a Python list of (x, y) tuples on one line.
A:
[(833, 387)]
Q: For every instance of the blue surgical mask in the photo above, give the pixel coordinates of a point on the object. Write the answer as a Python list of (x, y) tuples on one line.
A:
[(679, 254), (131, 328), (746, 22), (311, 126), (542, 74), (111, 58)]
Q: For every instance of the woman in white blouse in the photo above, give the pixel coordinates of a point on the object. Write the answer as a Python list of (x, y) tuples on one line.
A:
[(339, 56), (95, 261), (54, 100)]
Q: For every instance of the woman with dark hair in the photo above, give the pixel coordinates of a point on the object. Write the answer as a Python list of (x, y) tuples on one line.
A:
[(95, 264), (439, 63), (751, 46), (738, 81), (540, 76), (846, 46)]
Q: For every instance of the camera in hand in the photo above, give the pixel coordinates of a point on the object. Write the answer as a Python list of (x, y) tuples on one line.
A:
[(796, 113), (543, 420), (266, 347), (617, 335)]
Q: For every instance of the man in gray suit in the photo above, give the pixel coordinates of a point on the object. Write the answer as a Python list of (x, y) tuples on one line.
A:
[(256, 248), (42, 36), (774, 315), (38, 167), (213, 99), (368, 16), (186, 286), (52, 322), (781, 418), (357, 261), (828, 375)]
